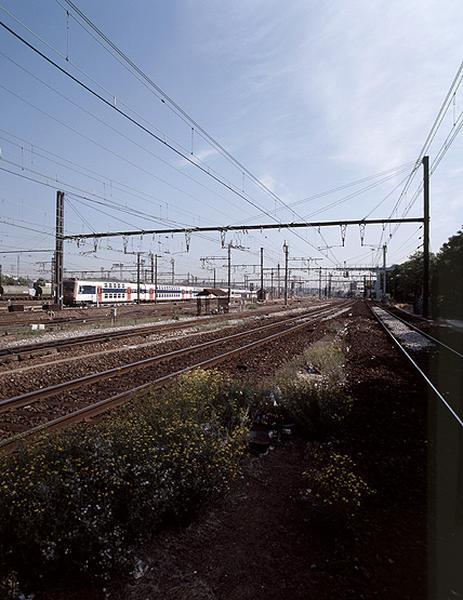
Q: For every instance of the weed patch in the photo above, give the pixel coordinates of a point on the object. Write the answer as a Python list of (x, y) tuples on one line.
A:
[(78, 502), (335, 492), (310, 389)]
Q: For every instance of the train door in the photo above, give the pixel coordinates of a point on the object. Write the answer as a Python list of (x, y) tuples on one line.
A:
[(129, 294), (99, 294)]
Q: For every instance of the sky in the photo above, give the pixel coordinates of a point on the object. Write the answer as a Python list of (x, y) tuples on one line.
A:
[(307, 96)]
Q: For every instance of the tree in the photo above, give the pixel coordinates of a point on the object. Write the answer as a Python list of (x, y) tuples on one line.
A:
[(406, 280), (446, 274), (448, 278)]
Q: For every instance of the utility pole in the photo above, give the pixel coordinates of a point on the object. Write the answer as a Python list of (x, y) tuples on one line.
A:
[(262, 274), (364, 286), (384, 273), (155, 277), (138, 277), (58, 266), (330, 275), (152, 268), (279, 281), (426, 237), (214, 279), (286, 251), (320, 283), (271, 284), (229, 274), (172, 262)]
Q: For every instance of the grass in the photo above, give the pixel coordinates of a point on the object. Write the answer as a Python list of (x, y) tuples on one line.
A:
[(310, 390)]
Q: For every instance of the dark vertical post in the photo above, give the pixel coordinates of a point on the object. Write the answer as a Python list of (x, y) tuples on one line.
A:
[(279, 281), (155, 277), (384, 273), (364, 286), (286, 250), (262, 274), (330, 275), (138, 277), (152, 268), (172, 262), (426, 236), (59, 232), (320, 283), (271, 283), (215, 285), (229, 275)]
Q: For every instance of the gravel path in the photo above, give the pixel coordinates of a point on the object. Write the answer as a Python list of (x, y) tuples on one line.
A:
[(408, 337)]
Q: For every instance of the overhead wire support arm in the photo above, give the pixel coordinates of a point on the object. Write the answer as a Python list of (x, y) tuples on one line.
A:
[(224, 228)]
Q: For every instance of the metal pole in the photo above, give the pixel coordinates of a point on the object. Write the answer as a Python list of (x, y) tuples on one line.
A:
[(214, 279), (152, 268), (384, 273), (155, 278), (279, 281), (320, 283), (271, 283), (59, 232), (286, 250), (172, 262), (330, 275), (426, 236), (229, 274), (262, 274), (138, 277)]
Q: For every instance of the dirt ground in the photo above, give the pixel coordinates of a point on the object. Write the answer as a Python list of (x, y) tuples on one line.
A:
[(256, 543)]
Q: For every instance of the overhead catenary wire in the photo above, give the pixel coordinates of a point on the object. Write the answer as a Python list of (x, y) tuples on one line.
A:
[(141, 126), (117, 131)]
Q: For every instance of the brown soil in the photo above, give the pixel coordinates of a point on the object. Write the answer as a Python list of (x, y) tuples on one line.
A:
[(256, 543)]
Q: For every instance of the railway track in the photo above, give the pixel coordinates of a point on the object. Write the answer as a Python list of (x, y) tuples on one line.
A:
[(32, 410), (441, 367), (25, 351), (10, 326)]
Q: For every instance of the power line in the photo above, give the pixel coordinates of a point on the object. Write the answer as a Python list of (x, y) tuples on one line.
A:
[(157, 137), (112, 128)]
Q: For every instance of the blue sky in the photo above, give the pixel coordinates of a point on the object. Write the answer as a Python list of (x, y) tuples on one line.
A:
[(308, 96)]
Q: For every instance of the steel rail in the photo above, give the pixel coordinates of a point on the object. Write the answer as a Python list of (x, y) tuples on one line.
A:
[(36, 395), (417, 367), (128, 332), (57, 360), (424, 333), (88, 413)]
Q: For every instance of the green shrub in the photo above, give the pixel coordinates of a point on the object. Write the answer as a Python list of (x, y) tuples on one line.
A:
[(78, 502), (334, 492)]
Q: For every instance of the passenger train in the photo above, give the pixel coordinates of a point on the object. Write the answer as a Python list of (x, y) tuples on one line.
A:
[(79, 292)]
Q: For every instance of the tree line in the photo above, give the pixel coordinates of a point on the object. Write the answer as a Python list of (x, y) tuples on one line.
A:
[(405, 281)]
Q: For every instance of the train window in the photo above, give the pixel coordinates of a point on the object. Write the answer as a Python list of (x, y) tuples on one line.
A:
[(87, 289)]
